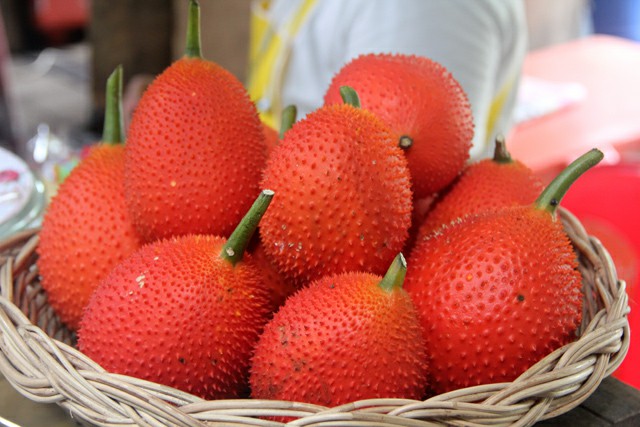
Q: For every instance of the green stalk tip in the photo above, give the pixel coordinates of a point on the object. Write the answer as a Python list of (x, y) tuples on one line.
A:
[(193, 44), (394, 278), (113, 130), (350, 96), (289, 115), (500, 153), (237, 243), (551, 196)]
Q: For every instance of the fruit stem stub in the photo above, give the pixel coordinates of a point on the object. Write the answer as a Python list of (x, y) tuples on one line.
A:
[(500, 153), (193, 44), (551, 196), (113, 130), (405, 142), (350, 96), (394, 278), (237, 243)]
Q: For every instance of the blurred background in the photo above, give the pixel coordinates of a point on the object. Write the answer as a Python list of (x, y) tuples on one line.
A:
[(60, 53), (57, 54)]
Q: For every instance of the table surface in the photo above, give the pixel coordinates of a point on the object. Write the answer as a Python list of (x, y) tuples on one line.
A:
[(18, 409), (612, 404)]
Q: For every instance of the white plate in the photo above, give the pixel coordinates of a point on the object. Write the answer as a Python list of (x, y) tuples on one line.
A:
[(21, 194)]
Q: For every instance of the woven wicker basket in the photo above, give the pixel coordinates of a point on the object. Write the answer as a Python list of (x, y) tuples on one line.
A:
[(38, 358)]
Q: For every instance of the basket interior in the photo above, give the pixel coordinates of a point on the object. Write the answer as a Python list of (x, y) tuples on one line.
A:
[(556, 384)]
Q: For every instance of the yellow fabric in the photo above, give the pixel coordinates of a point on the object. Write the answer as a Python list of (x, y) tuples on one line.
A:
[(268, 54), (496, 108)]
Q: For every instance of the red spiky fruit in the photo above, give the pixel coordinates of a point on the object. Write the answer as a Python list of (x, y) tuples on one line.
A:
[(185, 312), (421, 208), (86, 229), (341, 339), (424, 105), (271, 137), (195, 150), (85, 232), (343, 198), (278, 286), (484, 185), (497, 292)]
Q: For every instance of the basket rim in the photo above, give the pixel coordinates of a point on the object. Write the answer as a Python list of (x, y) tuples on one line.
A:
[(45, 369)]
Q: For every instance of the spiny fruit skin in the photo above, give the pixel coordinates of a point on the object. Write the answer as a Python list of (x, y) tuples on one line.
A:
[(341, 339), (418, 98), (271, 137), (177, 314), (195, 152), (278, 286), (85, 232), (421, 208), (342, 196), (484, 185), (495, 294)]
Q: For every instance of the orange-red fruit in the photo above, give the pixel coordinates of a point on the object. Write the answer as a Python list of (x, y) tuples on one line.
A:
[(484, 185), (421, 100), (85, 232), (341, 339), (195, 152), (271, 137), (278, 287), (421, 208), (177, 314), (495, 294), (342, 196)]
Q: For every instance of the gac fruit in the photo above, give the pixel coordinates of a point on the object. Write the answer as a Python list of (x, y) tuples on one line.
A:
[(497, 292), (195, 150), (87, 230), (184, 312), (343, 195), (343, 338), (484, 185), (424, 105)]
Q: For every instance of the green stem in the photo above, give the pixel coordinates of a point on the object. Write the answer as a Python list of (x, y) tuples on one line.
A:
[(113, 130), (237, 243), (550, 197), (289, 115), (395, 275), (500, 153), (350, 96), (193, 47)]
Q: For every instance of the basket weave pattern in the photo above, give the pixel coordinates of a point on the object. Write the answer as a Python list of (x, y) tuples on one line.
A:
[(38, 358)]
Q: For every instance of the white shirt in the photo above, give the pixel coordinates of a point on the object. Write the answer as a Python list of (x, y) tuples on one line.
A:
[(481, 42)]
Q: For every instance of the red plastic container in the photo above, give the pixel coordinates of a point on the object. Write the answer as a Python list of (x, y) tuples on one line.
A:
[(606, 199)]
